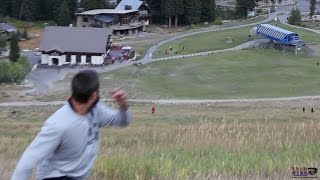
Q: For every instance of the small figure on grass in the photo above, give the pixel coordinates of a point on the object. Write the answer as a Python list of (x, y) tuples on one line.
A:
[(153, 109)]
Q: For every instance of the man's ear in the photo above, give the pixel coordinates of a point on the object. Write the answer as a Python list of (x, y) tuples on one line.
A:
[(94, 95)]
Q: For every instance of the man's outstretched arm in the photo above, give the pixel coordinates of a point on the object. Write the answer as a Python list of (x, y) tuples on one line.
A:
[(113, 118), (109, 117)]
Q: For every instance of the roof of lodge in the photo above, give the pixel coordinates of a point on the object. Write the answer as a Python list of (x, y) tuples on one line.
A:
[(7, 27), (106, 11), (135, 4), (74, 39)]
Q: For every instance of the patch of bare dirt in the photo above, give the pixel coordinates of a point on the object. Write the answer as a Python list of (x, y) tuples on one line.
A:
[(312, 25), (34, 41), (313, 49)]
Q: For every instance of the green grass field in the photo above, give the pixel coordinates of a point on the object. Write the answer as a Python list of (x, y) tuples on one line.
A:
[(249, 73), (222, 141), (244, 74), (216, 40), (204, 42)]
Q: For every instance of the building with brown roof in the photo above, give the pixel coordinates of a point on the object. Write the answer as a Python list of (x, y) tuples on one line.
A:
[(70, 45)]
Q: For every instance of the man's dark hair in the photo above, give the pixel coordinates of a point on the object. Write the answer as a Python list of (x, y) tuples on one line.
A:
[(84, 84)]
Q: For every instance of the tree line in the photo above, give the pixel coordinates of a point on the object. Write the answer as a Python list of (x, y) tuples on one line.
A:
[(182, 11), (63, 11), (196, 11), (164, 11), (60, 11)]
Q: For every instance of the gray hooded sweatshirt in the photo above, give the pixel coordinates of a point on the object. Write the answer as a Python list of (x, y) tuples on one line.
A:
[(68, 143)]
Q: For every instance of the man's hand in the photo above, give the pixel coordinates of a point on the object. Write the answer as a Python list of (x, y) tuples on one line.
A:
[(120, 97)]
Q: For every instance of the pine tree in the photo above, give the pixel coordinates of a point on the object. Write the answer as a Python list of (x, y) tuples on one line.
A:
[(100, 4), (5, 7), (72, 6), (179, 10), (92, 4), (14, 48), (30, 10), (48, 9), (3, 42), (156, 10), (15, 8), (63, 15), (295, 18), (192, 9), (208, 10), (168, 9), (312, 7), (243, 6)]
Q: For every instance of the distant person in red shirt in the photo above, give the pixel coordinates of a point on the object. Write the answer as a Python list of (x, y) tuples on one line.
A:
[(153, 109)]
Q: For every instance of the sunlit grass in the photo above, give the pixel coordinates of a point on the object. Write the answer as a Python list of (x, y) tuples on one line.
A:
[(222, 141)]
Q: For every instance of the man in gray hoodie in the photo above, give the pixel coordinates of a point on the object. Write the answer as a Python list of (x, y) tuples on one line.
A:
[(67, 145)]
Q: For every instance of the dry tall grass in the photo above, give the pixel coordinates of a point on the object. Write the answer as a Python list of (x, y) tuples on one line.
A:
[(224, 141)]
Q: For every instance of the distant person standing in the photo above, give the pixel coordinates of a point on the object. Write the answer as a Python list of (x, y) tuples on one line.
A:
[(150, 55), (153, 109), (67, 145)]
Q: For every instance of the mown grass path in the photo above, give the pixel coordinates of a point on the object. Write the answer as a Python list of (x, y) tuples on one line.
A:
[(166, 101)]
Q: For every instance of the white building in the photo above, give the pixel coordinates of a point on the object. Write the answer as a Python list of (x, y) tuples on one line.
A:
[(70, 45)]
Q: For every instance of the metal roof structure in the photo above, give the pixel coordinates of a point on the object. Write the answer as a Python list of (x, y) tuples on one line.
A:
[(277, 34), (7, 27), (134, 4), (105, 11), (75, 39)]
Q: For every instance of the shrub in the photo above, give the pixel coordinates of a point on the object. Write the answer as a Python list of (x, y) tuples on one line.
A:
[(295, 18), (14, 72)]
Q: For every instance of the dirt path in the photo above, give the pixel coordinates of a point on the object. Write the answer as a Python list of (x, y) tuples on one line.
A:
[(168, 101)]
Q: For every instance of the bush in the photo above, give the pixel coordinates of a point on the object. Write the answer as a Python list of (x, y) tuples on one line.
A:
[(259, 11), (218, 21), (14, 72), (226, 14), (25, 34), (273, 8), (295, 18)]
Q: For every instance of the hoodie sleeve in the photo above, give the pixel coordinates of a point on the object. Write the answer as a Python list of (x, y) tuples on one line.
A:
[(43, 145), (113, 118)]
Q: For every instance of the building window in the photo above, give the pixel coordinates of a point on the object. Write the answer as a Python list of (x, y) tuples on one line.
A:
[(85, 19), (78, 59), (143, 12), (68, 58), (127, 7), (88, 59)]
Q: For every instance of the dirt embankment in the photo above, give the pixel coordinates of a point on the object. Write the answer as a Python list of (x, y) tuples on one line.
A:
[(34, 41)]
